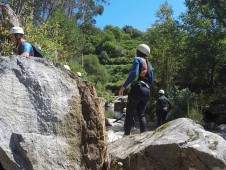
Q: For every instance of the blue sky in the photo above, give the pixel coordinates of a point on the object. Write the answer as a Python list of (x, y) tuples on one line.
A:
[(137, 13)]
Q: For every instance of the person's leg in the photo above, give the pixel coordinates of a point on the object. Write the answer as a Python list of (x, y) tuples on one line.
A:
[(128, 124), (144, 97), (159, 119), (164, 117), (141, 116), (131, 109), (133, 122)]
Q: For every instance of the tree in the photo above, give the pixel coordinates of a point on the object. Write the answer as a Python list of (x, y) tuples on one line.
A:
[(110, 48), (115, 30), (70, 32), (96, 72), (103, 57), (206, 45), (133, 32), (81, 11), (165, 39)]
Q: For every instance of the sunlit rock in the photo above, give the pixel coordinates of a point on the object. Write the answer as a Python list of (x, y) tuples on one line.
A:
[(179, 144), (49, 118)]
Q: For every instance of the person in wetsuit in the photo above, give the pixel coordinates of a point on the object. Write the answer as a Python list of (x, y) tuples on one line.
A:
[(24, 48), (163, 106), (140, 89)]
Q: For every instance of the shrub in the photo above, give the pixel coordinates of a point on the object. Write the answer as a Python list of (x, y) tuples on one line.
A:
[(184, 103)]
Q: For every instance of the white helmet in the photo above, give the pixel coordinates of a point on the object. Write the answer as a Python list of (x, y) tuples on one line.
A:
[(144, 49), (16, 30), (124, 110), (161, 92), (67, 67), (79, 74)]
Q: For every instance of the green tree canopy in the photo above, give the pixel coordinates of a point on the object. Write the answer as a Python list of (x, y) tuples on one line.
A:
[(81, 11), (206, 43), (96, 72)]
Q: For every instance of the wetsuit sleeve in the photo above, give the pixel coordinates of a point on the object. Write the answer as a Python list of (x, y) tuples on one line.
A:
[(133, 73), (26, 47)]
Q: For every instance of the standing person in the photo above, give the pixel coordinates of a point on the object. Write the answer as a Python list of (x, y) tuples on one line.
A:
[(140, 89), (23, 47), (163, 107)]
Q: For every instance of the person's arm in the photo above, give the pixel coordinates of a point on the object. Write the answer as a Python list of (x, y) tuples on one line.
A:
[(25, 54), (120, 117), (133, 73), (26, 49)]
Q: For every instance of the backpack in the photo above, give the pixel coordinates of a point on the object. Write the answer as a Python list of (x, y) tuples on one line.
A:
[(150, 74), (149, 77), (37, 52)]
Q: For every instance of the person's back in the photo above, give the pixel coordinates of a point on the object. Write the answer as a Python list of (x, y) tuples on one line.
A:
[(163, 104), (25, 47)]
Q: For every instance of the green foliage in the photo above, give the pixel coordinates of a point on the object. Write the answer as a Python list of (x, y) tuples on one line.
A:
[(115, 30), (103, 57), (196, 115), (189, 53), (183, 101), (166, 40), (120, 72), (96, 72), (206, 29), (109, 115), (82, 12), (164, 12), (110, 47), (68, 34), (45, 36), (114, 87), (76, 67), (133, 32), (5, 46), (119, 60), (130, 44)]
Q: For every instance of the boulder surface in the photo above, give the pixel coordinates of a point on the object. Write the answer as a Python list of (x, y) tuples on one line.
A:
[(49, 117), (179, 144)]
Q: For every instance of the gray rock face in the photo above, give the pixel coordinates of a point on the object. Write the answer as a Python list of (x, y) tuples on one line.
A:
[(49, 117), (179, 144)]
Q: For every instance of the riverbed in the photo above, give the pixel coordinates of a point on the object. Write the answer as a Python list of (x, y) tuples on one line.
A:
[(151, 125)]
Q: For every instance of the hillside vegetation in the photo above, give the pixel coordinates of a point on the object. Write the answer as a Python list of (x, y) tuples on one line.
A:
[(188, 53)]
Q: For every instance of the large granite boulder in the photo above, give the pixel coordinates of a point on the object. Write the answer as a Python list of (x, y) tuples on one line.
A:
[(179, 144), (49, 117)]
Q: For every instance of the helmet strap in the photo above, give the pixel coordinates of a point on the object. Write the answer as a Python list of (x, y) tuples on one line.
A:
[(17, 40)]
